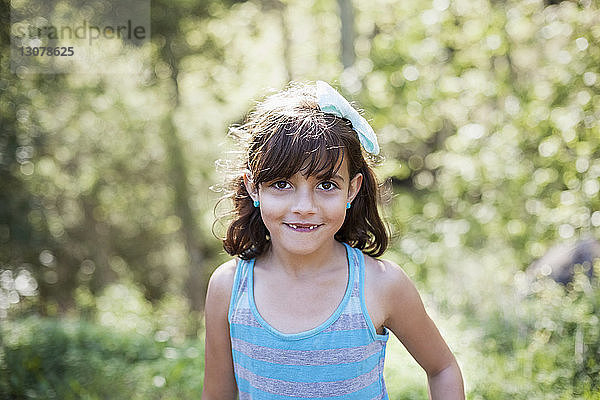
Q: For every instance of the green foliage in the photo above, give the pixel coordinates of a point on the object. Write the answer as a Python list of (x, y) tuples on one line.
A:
[(548, 347), (68, 359), (493, 118)]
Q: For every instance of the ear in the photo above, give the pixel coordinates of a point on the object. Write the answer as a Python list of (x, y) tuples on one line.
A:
[(354, 188), (251, 188)]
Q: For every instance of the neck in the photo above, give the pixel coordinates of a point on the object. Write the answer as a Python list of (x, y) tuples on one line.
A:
[(327, 257)]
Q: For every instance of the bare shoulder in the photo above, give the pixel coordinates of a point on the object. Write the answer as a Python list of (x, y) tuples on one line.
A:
[(225, 273), (221, 281), (386, 275)]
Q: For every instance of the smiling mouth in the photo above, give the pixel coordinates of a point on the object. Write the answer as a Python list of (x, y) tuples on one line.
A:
[(303, 227)]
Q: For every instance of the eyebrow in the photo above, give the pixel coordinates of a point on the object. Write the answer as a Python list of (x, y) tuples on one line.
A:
[(338, 176)]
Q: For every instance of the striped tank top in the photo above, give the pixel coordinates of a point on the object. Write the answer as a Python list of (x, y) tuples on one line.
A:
[(340, 359)]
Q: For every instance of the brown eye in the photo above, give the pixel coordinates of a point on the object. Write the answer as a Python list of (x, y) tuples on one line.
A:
[(280, 185), (327, 185)]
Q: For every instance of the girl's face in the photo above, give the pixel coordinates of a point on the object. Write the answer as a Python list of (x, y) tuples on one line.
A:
[(304, 213)]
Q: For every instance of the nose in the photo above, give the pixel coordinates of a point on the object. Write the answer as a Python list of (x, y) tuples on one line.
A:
[(304, 201)]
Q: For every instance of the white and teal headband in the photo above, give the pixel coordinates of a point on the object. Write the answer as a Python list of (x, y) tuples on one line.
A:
[(331, 102)]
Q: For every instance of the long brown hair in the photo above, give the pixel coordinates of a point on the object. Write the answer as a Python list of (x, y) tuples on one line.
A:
[(288, 133)]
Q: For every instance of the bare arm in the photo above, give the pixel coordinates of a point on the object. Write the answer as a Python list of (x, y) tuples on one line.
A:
[(407, 319), (447, 383), (219, 379)]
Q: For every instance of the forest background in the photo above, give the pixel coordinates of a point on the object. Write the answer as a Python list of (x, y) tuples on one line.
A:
[(487, 113)]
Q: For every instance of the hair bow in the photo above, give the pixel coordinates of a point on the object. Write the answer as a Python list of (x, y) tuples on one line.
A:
[(331, 102)]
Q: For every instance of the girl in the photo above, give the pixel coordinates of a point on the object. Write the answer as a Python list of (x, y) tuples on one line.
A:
[(306, 309)]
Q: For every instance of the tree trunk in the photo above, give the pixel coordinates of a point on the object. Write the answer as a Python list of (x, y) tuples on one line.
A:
[(195, 286), (347, 32)]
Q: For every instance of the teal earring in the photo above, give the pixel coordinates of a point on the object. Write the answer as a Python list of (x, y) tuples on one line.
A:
[(348, 205), (256, 203)]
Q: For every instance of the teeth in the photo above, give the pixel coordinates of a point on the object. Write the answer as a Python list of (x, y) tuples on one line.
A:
[(310, 227)]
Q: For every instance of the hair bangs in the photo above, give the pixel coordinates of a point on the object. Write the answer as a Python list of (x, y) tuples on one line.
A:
[(299, 146)]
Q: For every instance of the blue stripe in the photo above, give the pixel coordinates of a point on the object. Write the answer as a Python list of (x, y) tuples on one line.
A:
[(322, 341), (371, 392), (307, 373)]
